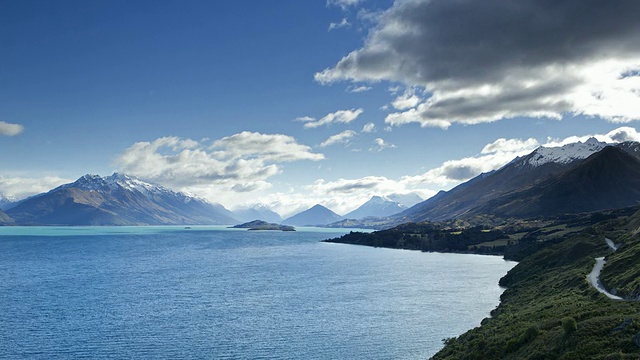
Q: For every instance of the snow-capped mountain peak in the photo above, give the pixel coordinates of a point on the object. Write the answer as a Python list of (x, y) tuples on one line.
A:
[(134, 184), (564, 154)]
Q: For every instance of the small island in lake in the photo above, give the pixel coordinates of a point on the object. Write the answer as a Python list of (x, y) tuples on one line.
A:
[(263, 225)]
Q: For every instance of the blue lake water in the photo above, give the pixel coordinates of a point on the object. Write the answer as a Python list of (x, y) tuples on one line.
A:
[(216, 293)]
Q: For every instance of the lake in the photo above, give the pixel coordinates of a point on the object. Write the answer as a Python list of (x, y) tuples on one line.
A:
[(217, 293)]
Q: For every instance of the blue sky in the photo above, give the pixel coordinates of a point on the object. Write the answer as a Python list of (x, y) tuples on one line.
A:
[(292, 103)]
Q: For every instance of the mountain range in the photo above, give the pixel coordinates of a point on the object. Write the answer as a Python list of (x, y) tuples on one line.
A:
[(578, 177), (575, 178)]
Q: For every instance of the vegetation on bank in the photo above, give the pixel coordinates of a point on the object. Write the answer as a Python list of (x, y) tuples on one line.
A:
[(513, 238), (549, 310), (430, 237)]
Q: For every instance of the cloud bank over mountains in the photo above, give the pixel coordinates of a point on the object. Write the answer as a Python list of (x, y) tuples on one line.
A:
[(235, 170), (483, 61)]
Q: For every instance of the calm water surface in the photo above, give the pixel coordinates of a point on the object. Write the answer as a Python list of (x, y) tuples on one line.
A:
[(210, 292)]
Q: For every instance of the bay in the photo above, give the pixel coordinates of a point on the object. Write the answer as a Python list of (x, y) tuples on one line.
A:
[(217, 293)]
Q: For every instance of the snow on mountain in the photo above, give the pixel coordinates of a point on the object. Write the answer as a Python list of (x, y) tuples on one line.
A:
[(118, 199), (6, 202), (119, 181), (564, 154)]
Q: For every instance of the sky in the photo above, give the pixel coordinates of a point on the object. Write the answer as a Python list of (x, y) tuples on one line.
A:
[(291, 103)]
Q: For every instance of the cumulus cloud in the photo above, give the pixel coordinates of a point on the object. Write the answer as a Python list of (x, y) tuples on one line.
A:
[(503, 145), (407, 100), (241, 162), (492, 157), (21, 187), (369, 128), (9, 129), (483, 61), (340, 116), (380, 144), (618, 135), (342, 137)]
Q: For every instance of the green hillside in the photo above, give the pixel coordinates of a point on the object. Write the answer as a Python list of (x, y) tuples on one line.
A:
[(550, 311)]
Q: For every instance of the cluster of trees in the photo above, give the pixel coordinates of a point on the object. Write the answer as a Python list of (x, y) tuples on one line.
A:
[(429, 237)]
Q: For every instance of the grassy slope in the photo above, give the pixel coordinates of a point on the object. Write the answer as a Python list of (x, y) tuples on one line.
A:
[(550, 287)]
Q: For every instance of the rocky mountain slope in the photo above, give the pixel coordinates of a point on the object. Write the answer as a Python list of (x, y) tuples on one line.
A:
[(318, 215), (377, 206), (534, 184), (5, 219)]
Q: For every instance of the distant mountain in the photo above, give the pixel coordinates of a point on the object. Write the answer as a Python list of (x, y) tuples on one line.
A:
[(5, 219), (528, 184), (6, 202), (318, 215), (377, 206), (257, 212), (117, 200)]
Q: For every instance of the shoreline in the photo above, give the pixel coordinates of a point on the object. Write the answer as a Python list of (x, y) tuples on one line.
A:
[(422, 251)]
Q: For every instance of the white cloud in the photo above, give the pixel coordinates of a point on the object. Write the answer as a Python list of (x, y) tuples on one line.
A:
[(380, 144), (267, 147), (500, 152), (344, 4), (406, 101), (618, 135), (305, 119), (342, 137), (9, 129), (22, 187), (251, 186), (369, 128), (240, 162), (344, 195), (485, 61), (338, 25), (492, 157), (358, 89), (503, 145), (340, 116)]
